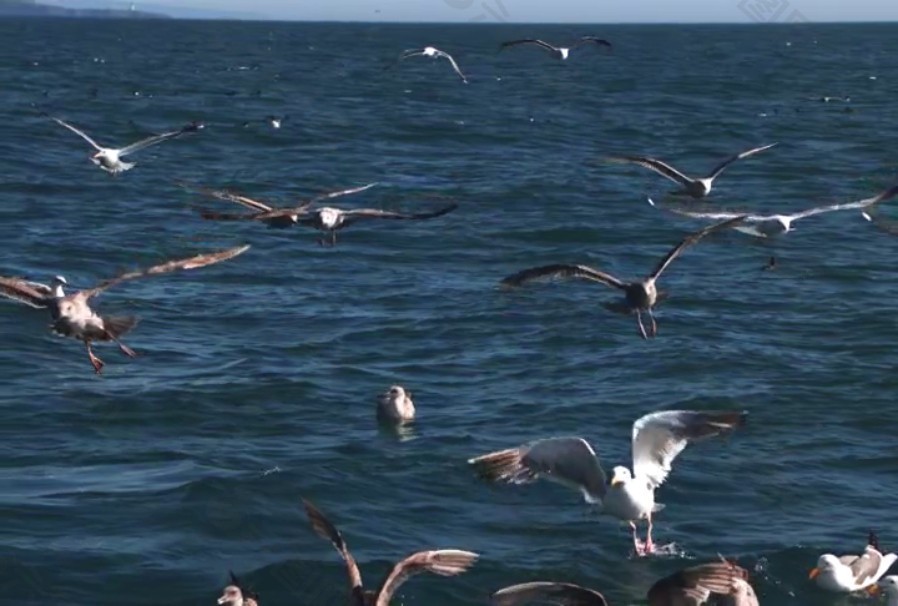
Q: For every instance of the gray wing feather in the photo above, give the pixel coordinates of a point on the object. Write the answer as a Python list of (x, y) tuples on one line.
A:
[(725, 164), (561, 594)]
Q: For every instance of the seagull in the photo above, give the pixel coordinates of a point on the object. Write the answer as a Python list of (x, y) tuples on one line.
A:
[(430, 51), (657, 440), (109, 159), (236, 594), (276, 121), (721, 583), (766, 226), (639, 296), (443, 562), (395, 405), (771, 264), (556, 51), (696, 188), (327, 219), (851, 573), (273, 217), (72, 315), (886, 225), (565, 594), (889, 586)]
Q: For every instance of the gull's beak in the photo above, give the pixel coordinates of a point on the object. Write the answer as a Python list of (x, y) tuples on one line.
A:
[(874, 590), (814, 572), (222, 599), (616, 480)]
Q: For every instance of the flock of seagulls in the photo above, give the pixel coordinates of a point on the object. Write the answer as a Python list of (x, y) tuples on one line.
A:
[(628, 494)]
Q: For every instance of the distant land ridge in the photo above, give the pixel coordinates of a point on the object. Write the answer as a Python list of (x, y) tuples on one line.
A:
[(30, 8)]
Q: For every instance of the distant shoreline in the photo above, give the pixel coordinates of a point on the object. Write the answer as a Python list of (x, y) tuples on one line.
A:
[(35, 10)]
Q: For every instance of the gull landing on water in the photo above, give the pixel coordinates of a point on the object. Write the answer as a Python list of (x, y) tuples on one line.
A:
[(766, 226), (558, 52), (72, 315), (639, 296), (236, 594), (442, 562), (696, 188), (657, 440), (435, 53), (851, 573), (110, 159)]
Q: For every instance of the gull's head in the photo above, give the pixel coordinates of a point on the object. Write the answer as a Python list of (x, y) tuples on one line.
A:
[(396, 405), (60, 281), (430, 51), (621, 475), (825, 564), (231, 596)]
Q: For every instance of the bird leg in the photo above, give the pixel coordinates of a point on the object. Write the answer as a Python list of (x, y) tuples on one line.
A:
[(639, 322), (649, 545), (96, 362), (637, 544), (125, 349), (654, 332), (334, 238)]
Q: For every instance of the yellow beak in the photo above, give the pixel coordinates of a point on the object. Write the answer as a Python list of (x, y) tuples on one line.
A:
[(616, 480), (874, 590), (814, 572)]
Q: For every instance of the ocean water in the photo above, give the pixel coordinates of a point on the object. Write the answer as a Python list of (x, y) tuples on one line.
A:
[(256, 379)]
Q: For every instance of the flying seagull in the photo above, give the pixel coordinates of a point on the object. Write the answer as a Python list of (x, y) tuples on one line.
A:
[(430, 51), (851, 573), (327, 219), (72, 315), (276, 121), (765, 226), (235, 594), (110, 159), (443, 562), (696, 188), (557, 51), (657, 440), (639, 296), (271, 216)]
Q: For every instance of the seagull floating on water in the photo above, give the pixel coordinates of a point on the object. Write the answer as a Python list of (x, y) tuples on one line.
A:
[(276, 121), (765, 226), (435, 53), (889, 586), (72, 315), (395, 405), (696, 188), (558, 52), (639, 296), (442, 562), (851, 573), (327, 218), (110, 159), (657, 440), (236, 594)]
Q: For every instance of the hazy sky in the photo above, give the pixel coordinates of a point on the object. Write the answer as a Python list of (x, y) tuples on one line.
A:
[(591, 11)]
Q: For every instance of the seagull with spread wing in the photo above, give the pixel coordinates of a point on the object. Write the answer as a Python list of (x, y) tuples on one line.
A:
[(72, 314), (273, 217), (850, 573), (766, 226), (723, 582), (434, 53), (657, 440), (327, 218), (639, 296), (443, 562), (696, 188), (110, 159), (235, 594), (558, 52)]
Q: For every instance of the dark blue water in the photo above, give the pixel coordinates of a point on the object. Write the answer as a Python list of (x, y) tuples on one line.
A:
[(256, 379)]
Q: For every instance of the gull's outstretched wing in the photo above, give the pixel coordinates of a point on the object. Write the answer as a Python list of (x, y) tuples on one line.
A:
[(561, 594), (411, 52), (709, 212), (80, 133), (195, 262), (592, 40), (660, 436), (871, 566), (227, 196), (150, 141), (304, 207), (324, 529), (457, 69), (860, 204), (539, 43), (693, 586), (568, 461), (33, 294), (690, 240), (562, 271), (443, 562), (372, 213), (662, 168), (725, 164)]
